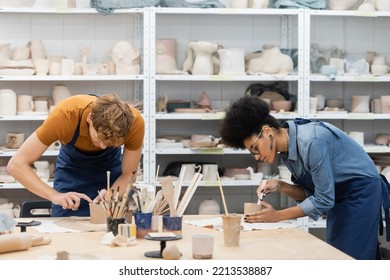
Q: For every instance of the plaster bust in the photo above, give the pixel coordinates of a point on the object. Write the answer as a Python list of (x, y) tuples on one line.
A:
[(125, 58)]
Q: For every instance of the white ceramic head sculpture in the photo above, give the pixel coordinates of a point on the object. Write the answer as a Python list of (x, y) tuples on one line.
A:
[(125, 57)]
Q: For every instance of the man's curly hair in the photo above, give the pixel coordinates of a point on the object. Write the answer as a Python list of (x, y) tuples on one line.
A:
[(112, 118)]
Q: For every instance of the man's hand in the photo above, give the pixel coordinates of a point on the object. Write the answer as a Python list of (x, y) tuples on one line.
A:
[(69, 200)]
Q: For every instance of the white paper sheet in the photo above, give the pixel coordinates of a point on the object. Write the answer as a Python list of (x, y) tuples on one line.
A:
[(49, 226), (216, 223)]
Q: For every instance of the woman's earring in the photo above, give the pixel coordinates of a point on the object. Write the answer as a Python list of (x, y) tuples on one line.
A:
[(271, 145)]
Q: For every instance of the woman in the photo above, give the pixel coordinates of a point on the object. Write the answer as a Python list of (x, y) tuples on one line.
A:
[(331, 174), (91, 130)]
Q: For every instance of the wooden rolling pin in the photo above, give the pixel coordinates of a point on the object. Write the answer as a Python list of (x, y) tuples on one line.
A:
[(20, 241)]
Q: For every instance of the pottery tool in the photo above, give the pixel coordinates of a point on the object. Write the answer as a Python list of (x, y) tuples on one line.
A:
[(108, 195), (222, 195), (156, 177), (168, 193), (178, 186), (189, 193), (123, 207), (260, 193)]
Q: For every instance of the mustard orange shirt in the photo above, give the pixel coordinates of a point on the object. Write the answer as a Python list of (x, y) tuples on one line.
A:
[(62, 122)]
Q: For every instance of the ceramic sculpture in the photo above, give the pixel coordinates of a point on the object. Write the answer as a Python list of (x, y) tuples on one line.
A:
[(125, 58), (166, 56), (270, 61), (200, 58)]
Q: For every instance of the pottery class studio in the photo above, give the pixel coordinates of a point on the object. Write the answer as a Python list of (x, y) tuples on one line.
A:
[(181, 64)]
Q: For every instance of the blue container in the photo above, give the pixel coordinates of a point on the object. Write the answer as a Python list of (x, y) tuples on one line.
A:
[(143, 220), (172, 223)]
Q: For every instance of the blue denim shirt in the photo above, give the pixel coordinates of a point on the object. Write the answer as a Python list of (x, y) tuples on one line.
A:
[(319, 156)]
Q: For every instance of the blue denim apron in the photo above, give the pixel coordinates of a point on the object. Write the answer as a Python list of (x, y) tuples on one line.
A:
[(352, 224), (82, 172)]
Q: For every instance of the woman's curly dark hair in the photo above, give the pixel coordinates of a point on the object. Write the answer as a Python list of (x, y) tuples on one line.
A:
[(245, 117)]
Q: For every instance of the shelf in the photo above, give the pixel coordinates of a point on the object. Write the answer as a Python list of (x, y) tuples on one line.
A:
[(349, 116), (226, 78), (190, 116), (230, 183), (212, 116), (72, 78), (203, 151), (54, 10), (11, 153), (226, 11), (23, 118), (349, 13), (17, 185), (350, 78)]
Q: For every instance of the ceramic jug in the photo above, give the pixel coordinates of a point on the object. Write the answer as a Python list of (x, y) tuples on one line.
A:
[(165, 56), (232, 61), (7, 102), (203, 63), (60, 92)]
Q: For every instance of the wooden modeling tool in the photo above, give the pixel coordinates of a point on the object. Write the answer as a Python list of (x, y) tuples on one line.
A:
[(222, 195)]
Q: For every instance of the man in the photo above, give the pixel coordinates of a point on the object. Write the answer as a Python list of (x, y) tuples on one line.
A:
[(91, 130)]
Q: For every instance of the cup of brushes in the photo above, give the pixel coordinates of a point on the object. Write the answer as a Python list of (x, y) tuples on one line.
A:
[(114, 205)]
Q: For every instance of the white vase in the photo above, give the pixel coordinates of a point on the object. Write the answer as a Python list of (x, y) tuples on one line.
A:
[(232, 61)]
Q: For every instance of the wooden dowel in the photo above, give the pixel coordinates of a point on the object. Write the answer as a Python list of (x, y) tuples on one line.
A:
[(222, 195)]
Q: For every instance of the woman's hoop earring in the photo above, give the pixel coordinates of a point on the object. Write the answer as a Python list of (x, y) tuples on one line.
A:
[(271, 138)]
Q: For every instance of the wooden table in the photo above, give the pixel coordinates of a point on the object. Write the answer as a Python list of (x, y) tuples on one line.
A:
[(270, 244)]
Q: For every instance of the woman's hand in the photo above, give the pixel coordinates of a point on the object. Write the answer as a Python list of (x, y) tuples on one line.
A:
[(271, 185), (267, 215)]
